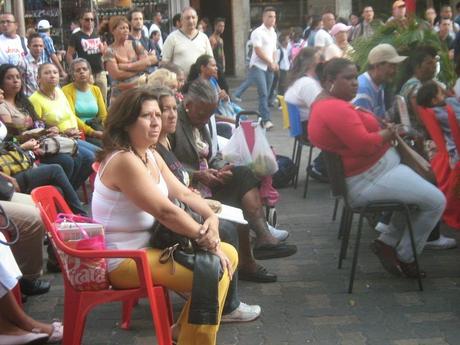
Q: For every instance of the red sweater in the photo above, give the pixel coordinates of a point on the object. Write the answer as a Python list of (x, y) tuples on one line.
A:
[(337, 126)]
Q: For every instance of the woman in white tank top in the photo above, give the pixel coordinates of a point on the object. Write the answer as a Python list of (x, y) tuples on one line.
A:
[(131, 191)]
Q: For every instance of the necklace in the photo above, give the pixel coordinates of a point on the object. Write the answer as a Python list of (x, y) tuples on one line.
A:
[(144, 160), (52, 96)]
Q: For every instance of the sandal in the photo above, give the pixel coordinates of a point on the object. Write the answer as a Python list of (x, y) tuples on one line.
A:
[(57, 333), (260, 275)]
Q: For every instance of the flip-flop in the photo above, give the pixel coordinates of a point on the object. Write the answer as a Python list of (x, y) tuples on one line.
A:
[(272, 251), (260, 275)]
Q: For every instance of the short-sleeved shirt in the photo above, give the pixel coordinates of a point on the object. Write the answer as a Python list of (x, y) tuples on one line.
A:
[(264, 38), (323, 39), (49, 47), (13, 50), (30, 74), (302, 94), (54, 112), (88, 47), (370, 96), (183, 51)]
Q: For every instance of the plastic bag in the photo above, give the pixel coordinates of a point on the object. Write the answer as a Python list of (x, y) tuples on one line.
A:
[(236, 151), (263, 159), (82, 233)]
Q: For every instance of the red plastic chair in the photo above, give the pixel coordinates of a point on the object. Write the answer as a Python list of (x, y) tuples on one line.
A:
[(77, 304)]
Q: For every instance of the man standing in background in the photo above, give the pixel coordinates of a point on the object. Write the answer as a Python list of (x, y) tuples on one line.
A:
[(263, 63), (217, 44)]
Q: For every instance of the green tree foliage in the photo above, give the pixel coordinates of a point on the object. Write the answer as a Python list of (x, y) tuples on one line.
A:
[(405, 37)]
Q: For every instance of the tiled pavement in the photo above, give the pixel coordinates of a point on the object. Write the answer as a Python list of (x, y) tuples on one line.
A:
[(309, 303)]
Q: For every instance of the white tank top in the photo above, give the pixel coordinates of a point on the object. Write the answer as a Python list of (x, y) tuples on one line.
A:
[(126, 225)]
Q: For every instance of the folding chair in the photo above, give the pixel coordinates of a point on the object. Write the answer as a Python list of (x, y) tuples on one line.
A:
[(339, 189)]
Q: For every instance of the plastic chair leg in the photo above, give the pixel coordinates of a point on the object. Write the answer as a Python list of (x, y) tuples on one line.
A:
[(347, 232), (336, 206), (128, 307), (74, 319), (305, 188), (162, 324), (412, 241), (294, 149), (355, 255)]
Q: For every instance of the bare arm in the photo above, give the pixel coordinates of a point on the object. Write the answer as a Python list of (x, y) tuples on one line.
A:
[(145, 193), (116, 73), (69, 55), (57, 63), (269, 61)]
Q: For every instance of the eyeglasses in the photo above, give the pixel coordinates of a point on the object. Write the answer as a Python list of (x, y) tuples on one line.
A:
[(88, 19), (7, 21)]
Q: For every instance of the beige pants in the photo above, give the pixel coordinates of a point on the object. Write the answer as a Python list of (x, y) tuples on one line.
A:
[(28, 251), (100, 79)]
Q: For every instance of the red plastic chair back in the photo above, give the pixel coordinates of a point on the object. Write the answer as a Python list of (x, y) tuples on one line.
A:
[(440, 161), (77, 304)]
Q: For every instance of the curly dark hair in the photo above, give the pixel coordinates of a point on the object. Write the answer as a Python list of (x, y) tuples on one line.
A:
[(123, 112)]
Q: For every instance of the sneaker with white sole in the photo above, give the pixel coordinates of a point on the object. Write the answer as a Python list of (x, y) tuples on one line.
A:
[(442, 242), (268, 125), (244, 313), (237, 99), (279, 234)]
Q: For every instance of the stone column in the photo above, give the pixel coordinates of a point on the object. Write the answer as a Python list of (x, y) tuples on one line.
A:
[(241, 22), (19, 15), (343, 8)]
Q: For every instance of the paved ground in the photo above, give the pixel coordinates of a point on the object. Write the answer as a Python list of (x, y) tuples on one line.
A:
[(309, 303)]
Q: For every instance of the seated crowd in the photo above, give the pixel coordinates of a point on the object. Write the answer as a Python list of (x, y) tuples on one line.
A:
[(156, 147)]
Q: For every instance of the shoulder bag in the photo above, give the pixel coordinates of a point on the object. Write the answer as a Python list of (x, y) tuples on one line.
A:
[(13, 159), (51, 145), (414, 160), (206, 268)]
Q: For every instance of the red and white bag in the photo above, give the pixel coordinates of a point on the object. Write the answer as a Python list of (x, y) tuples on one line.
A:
[(82, 233)]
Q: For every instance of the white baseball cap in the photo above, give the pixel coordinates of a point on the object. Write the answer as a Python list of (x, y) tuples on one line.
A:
[(44, 25)]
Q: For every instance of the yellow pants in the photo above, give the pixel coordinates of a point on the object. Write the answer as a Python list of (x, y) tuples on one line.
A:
[(125, 277)]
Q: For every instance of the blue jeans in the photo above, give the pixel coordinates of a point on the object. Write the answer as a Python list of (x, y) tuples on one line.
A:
[(263, 80), (50, 174)]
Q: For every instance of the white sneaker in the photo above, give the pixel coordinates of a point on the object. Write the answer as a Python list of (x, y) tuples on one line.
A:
[(268, 125), (244, 313), (442, 242), (382, 227), (279, 234), (237, 99)]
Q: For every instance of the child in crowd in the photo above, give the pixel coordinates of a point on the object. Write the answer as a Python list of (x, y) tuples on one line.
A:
[(431, 95)]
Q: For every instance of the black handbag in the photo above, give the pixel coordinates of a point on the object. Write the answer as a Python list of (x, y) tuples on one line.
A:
[(206, 267), (7, 225), (6, 189)]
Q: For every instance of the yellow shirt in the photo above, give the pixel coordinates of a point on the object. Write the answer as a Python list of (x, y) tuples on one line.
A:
[(54, 112)]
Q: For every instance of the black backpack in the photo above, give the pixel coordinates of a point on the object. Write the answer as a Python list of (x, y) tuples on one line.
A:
[(286, 172)]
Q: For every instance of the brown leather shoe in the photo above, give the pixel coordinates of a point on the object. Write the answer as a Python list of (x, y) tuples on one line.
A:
[(410, 270), (387, 257)]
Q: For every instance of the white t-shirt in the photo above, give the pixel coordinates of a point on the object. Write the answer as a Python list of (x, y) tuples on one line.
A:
[(302, 94), (264, 38), (323, 39), (153, 28), (183, 51), (11, 51)]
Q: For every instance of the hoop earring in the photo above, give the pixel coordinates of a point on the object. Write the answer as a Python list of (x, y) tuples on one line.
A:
[(331, 89)]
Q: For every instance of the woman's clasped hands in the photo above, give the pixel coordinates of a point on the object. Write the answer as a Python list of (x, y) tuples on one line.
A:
[(209, 240)]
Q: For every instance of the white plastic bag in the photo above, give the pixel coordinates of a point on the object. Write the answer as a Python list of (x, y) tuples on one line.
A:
[(263, 159), (236, 151)]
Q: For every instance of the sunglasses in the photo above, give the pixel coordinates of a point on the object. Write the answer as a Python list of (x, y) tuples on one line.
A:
[(88, 19)]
